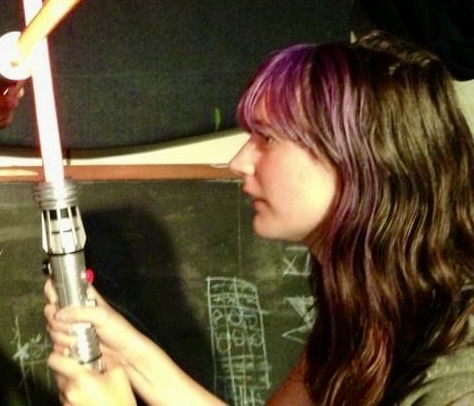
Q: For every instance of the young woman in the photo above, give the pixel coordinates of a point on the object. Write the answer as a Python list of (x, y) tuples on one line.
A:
[(361, 152)]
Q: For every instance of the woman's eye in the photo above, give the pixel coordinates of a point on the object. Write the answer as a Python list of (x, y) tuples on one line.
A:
[(263, 138), (267, 138)]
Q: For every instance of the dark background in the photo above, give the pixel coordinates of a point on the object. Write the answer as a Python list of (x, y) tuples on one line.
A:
[(132, 73)]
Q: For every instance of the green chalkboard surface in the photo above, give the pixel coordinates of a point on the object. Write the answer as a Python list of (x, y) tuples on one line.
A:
[(180, 261)]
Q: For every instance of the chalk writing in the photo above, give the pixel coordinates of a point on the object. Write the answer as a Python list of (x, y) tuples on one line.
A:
[(241, 369), (31, 356)]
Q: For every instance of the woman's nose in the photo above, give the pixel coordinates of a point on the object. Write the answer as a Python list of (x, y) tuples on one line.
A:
[(243, 163)]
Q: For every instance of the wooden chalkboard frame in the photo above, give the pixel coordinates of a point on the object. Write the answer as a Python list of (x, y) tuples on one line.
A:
[(120, 172)]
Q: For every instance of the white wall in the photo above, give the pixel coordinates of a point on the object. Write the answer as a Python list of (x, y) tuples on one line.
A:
[(216, 149), (466, 97)]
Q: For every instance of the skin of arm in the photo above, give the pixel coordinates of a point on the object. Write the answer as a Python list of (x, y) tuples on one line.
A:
[(152, 373), (160, 381), (292, 391)]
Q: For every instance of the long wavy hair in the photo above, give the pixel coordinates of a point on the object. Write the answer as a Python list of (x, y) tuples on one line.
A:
[(395, 254)]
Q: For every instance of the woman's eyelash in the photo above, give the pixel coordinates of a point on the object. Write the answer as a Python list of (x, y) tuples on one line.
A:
[(268, 138)]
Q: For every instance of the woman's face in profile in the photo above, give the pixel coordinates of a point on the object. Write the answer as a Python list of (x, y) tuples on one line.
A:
[(291, 189)]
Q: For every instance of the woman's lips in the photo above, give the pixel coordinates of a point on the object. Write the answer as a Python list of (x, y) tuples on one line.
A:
[(257, 203)]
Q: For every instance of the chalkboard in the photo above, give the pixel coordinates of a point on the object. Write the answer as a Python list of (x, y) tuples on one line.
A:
[(180, 261), (133, 73)]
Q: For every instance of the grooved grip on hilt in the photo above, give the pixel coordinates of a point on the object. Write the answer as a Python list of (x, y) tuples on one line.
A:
[(70, 280), (86, 350)]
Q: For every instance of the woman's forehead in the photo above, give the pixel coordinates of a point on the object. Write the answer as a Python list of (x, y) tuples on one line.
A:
[(257, 116)]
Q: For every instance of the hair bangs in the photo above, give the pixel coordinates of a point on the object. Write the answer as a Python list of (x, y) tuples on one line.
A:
[(276, 94)]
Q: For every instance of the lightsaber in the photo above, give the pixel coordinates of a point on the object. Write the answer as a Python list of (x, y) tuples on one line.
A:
[(41, 20), (45, 105), (63, 235), (16, 47)]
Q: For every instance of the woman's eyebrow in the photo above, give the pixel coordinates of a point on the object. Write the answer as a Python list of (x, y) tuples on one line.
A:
[(259, 125)]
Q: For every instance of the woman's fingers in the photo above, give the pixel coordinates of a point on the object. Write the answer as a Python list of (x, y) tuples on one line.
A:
[(54, 324), (59, 320), (49, 311), (50, 292), (94, 315), (95, 295), (81, 386), (52, 297), (66, 367)]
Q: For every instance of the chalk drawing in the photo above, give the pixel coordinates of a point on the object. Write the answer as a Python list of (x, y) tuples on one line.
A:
[(291, 254), (241, 369), (303, 306), (31, 356)]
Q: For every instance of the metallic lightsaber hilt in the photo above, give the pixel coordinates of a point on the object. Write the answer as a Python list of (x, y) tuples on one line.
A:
[(64, 239)]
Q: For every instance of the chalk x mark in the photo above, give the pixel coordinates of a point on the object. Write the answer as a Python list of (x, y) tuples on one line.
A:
[(31, 356), (291, 267)]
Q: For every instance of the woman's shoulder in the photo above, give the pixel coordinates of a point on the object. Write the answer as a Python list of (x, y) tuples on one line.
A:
[(449, 381)]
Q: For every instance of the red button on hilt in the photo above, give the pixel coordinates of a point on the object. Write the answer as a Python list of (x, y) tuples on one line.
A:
[(89, 275)]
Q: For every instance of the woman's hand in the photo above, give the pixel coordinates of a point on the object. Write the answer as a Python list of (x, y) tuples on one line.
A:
[(81, 386), (153, 374), (119, 340), (78, 384)]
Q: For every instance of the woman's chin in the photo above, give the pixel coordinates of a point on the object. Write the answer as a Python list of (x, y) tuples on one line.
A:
[(262, 230), (270, 232)]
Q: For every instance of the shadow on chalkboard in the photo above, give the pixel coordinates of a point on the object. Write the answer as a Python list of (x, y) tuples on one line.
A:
[(17, 389), (138, 272)]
